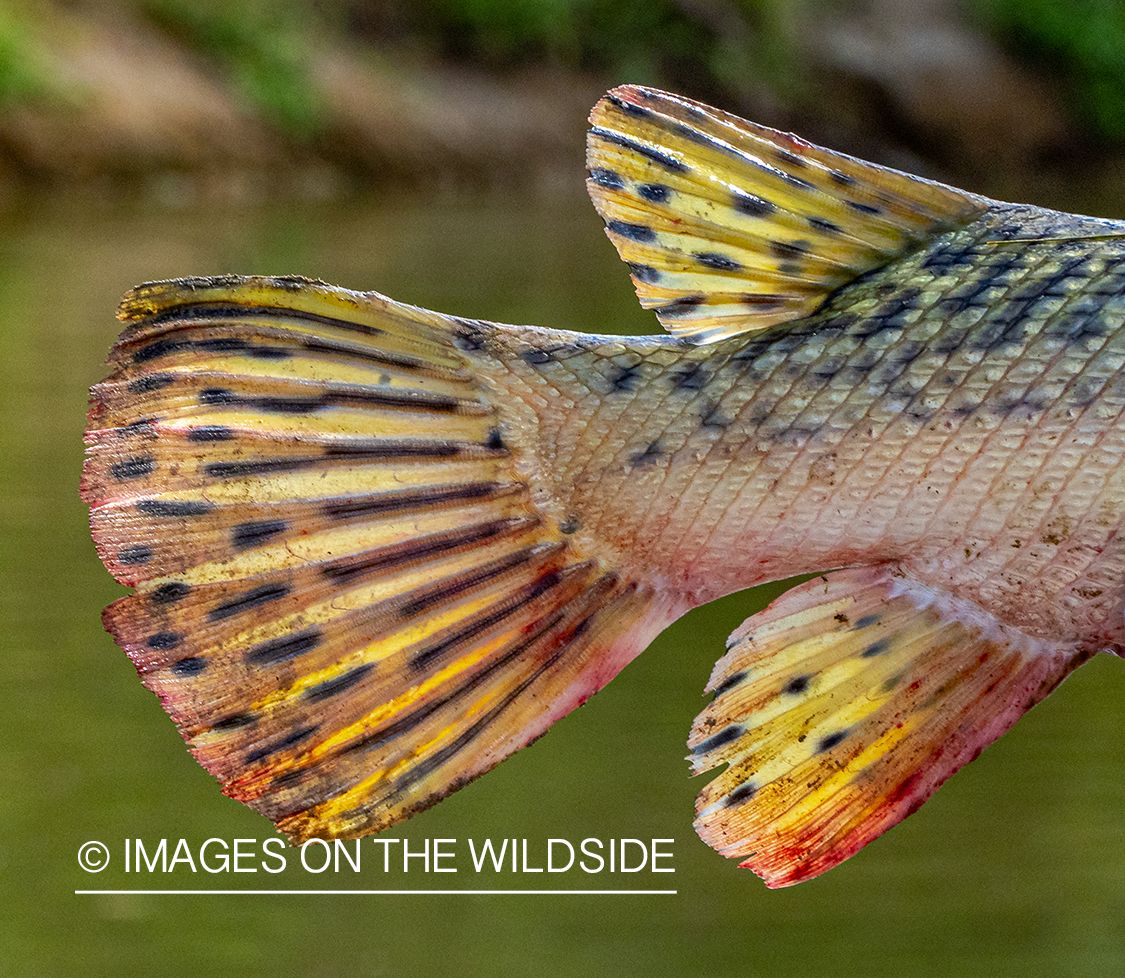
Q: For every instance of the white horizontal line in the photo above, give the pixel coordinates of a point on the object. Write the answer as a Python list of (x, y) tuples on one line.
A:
[(379, 892)]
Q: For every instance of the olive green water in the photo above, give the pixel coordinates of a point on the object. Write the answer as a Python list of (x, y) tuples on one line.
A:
[(1016, 867)]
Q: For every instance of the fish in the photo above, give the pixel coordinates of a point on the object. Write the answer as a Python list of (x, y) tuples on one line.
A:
[(377, 549)]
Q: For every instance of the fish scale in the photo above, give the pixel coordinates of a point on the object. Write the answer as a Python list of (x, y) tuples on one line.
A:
[(378, 549), (924, 452)]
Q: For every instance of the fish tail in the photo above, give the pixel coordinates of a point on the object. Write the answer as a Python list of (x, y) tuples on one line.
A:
[(346, 597)]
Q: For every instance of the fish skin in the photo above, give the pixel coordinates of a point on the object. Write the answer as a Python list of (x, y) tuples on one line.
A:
[(958, 412), (378, 549)]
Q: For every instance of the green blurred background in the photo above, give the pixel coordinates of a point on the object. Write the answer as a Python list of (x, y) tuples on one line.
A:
[(433, 150)]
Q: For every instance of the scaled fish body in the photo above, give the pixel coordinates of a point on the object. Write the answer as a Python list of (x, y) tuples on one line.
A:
[(378, 549)]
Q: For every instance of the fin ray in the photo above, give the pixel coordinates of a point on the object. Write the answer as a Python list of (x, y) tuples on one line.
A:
[(717, 216), (346, 598), (843, 706)]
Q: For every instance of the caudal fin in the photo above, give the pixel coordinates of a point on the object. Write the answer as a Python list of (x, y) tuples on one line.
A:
[(346, 598), (843, 706)]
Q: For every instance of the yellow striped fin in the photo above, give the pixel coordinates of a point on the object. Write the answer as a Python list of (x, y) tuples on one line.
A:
[(843, 706), (728, 226), (346, 598)]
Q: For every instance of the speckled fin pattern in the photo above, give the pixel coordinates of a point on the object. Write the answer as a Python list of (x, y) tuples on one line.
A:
[(843, 706), (728, 226), (344, 596)]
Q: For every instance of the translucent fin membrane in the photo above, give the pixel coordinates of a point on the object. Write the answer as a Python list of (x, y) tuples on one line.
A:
[(728, 226), (843, 706), (345, 598)]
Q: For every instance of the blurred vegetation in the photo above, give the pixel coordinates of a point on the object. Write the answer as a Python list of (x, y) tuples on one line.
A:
[(720, 48), (714, 48), (263, 45), (717, 43), (24, 76), (1083, 41)]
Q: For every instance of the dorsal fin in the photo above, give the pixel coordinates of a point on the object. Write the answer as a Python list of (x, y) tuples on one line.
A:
[(729, 226)]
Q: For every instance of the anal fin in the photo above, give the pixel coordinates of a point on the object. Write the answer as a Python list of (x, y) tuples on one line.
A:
[(844, 705)]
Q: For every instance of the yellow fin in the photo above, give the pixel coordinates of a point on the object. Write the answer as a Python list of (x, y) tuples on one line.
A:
[(843, 706), (346, 598), (729, 226)]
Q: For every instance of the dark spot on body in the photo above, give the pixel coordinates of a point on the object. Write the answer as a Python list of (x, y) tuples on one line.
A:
[(256, 532), (210, 432), (332, 687), (828, 368), (669, 162), (173, 509), (193, 665), (712, 417), (840, 617), (823, 225), (153, 382), (495, 442), (790, 159), (169, 593), (789, 250), (908, 352), (281, 649), (634, 232), (867, 621), (692, 377), (656, 193), (721, 263), (291, 740), (796, 685), (536, 357), (682, 306), (842, 179), (949, 260), (470, 335), (160, 641), (570, 525), (728, 735), (254, 598), (234, 721), (832, 740), (752, 205), (607, 178), (138, 554), (132, 468), (651, 453), (876, 648), (644, 273), (862, 208), (734, 679), (623, 378), (742, 794)]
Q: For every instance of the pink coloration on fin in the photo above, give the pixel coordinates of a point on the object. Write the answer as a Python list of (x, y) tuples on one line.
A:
[(844, 705)]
